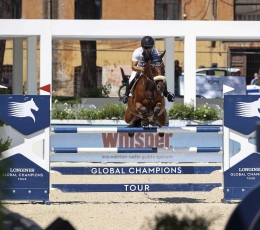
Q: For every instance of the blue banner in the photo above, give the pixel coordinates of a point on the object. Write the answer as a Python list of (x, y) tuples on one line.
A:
[(27, 114)]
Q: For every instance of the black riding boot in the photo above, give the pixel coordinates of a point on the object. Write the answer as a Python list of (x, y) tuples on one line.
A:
[(124, 98)]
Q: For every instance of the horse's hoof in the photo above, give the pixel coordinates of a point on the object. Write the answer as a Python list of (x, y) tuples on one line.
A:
[(152, 122), (131, 135), (161, 134), (138, 123), (145, 123)]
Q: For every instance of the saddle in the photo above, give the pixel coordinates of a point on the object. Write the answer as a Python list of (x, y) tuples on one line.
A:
[(133, 84), (136, 79)]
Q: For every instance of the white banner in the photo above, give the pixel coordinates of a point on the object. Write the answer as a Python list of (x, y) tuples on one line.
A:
[(212, 86)]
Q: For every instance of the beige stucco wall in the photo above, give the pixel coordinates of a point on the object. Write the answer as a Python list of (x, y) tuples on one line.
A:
[(67, 53), (225, 10), (128, 9)]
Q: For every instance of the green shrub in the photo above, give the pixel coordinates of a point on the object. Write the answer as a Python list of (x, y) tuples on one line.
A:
[(2, 123), (4, 145), (113, 111), (77, 112), (206, 113), (4, 91), (178, 111), (187, 111), (181, 111)]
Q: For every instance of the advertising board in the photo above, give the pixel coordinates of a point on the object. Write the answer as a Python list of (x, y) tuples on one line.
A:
[(212, 86)]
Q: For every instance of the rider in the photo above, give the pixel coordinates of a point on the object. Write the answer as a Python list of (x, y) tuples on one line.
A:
[(138, 64)]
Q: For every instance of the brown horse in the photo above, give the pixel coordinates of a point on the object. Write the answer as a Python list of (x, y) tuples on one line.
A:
[(147, 102)]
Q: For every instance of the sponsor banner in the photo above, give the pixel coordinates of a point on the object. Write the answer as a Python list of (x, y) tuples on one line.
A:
[(140, 140), (25, 165), (212, 86), (241, 170)]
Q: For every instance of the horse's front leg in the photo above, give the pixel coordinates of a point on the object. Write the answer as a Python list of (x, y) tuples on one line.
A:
[(156, 111), (140, 109)]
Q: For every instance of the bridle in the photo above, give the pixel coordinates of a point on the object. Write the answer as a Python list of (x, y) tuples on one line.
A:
[(156, 63)]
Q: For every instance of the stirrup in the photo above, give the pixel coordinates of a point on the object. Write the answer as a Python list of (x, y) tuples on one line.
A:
[(123, 99)]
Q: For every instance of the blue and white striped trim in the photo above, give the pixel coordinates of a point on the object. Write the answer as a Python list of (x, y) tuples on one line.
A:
[(137, 150), (253, 90), (194, 129)]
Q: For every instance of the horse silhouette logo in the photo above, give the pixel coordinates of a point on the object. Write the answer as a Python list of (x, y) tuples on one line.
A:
[(248, 109), (17, 109)]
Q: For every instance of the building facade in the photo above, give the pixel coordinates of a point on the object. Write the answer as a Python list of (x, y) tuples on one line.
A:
[(113, 54)]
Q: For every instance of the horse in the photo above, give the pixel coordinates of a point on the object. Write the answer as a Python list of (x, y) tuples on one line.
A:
[(147, 105)]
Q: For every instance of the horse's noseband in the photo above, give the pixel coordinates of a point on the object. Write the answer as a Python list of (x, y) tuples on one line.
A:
[(159, 78)]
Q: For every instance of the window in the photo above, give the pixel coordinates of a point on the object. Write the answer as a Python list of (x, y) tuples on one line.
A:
[(98, 10), (17, 10), (247, 10), (220, 72), (167, 10)]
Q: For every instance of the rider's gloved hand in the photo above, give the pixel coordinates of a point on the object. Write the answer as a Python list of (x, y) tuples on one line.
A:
[(170, 97)]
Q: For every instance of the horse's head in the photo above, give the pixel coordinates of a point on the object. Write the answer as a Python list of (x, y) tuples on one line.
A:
[(160, 82), (158, 70)]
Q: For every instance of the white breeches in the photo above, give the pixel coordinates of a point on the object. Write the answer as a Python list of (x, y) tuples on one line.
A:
[(131, 79), (132, 76)]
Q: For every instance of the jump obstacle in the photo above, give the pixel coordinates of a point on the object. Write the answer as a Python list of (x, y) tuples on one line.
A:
[(135, 170), (29, 175)]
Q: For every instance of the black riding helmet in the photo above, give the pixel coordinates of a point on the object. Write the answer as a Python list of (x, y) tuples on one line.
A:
[(147, 41)]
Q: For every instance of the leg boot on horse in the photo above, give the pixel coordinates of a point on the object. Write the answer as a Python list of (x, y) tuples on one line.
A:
[(124, 98)]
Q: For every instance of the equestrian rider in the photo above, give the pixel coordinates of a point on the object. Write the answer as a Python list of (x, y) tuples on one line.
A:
[(138, 64)]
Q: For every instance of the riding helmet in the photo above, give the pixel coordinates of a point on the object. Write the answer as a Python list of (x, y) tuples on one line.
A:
[(147, 41)]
